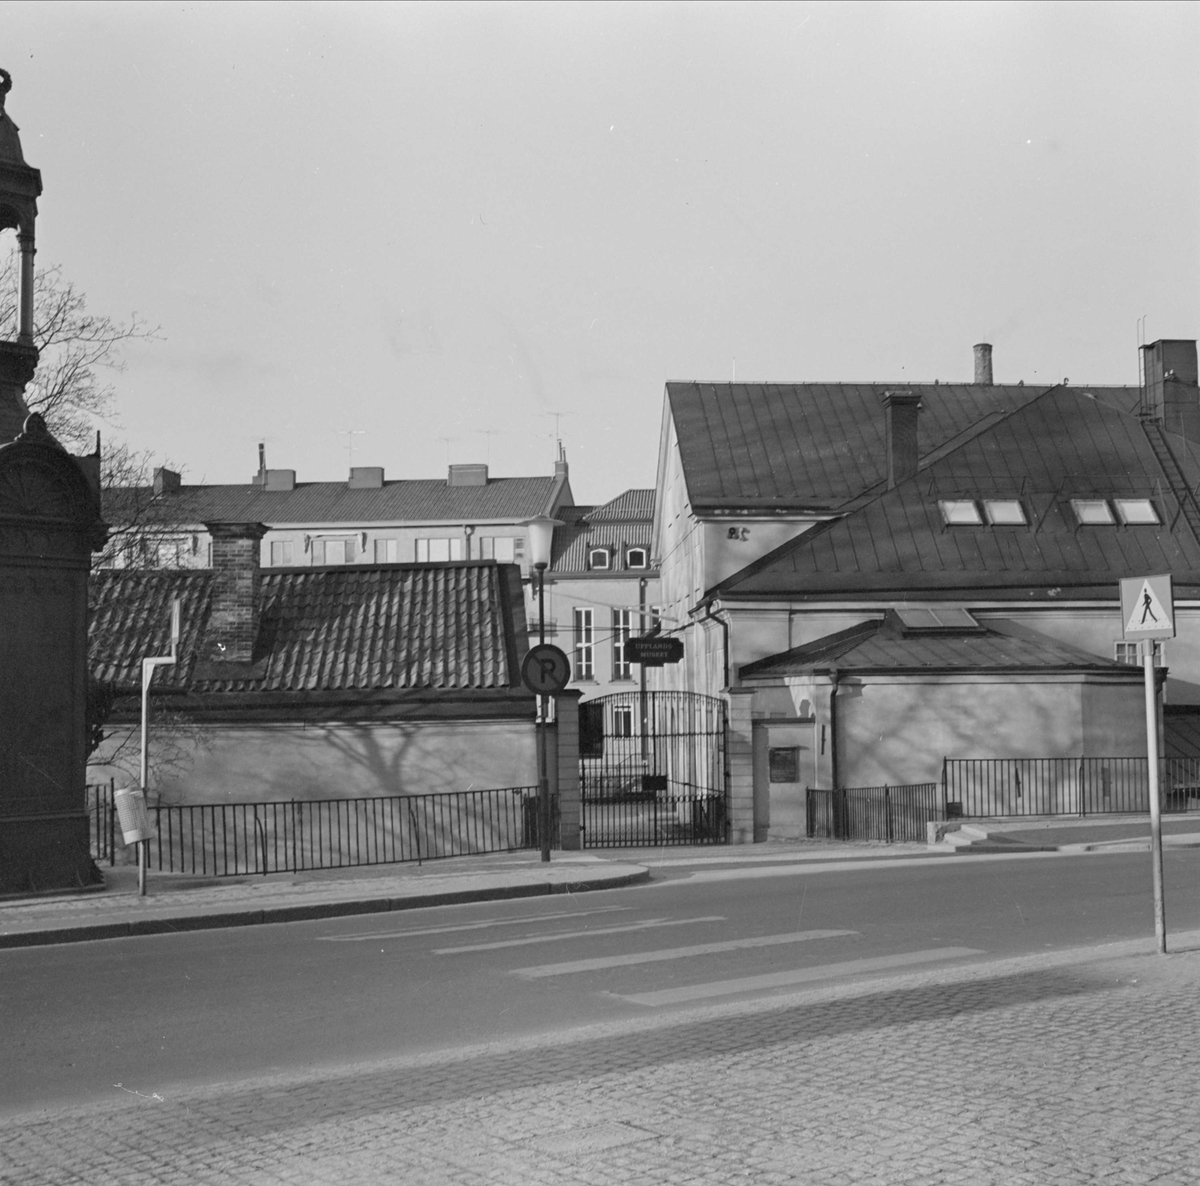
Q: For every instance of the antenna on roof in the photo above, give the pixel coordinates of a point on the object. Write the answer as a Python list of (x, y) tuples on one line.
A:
[(350, 434)]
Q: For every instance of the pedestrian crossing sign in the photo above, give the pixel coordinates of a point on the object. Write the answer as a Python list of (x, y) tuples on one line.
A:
[(1147, 608)]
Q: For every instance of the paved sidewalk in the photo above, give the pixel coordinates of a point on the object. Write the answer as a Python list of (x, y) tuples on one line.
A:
[(1074, 1067), (177, 902)]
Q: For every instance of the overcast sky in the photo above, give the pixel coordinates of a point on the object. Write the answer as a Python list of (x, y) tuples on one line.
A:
[(451, 227)]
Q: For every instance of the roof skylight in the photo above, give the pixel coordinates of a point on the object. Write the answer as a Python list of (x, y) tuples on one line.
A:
[(1004, 511), (1092, 511), (1136, 510), (945, 617), (960, 511)]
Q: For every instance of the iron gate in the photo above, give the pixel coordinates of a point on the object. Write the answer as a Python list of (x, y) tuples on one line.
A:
[(652, 769)]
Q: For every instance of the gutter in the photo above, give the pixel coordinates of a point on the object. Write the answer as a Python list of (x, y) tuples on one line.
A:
[(709, 616), (834, 678)]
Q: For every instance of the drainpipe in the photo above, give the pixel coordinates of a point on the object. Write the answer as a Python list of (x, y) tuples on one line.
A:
[(709, 616), (834, 676)]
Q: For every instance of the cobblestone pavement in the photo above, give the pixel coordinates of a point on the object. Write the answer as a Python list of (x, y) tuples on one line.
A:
[(1074, 1067)]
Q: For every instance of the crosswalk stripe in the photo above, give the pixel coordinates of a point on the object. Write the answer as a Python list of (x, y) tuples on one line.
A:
[(633, 926), (672, 953), (722, 988), (486, 924)]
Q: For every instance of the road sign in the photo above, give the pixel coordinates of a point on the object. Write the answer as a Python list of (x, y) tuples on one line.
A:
[(1147, 607), (545, 669), (653, 650)]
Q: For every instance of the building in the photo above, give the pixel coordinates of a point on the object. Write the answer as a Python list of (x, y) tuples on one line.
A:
[(602, 590), (877, 578), (367, 519), (321, 682)]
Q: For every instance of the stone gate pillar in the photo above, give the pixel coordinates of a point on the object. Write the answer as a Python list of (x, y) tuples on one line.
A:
[(49, 524)]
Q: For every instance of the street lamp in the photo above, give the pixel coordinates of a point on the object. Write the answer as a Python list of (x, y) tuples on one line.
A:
[(541, 537)]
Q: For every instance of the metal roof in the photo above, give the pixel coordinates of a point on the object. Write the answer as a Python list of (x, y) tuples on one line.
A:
[(403, 501), (780, 446), (886, 646), (432, 626), (1061, 445), (617, 526)]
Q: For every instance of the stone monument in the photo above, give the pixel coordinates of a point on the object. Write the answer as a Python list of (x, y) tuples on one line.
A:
[(49, 525)]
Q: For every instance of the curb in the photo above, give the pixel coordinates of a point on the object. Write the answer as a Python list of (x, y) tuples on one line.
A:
[(315, 910)]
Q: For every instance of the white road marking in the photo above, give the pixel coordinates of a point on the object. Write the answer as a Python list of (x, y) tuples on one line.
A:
[(673, 953), (633, 926), (724, 988), (466, 926)]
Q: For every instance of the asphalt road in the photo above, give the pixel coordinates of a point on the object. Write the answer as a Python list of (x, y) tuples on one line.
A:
[(144, 1015)]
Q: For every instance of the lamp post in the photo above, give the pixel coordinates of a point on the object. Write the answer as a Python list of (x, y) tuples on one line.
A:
[(541, 536)]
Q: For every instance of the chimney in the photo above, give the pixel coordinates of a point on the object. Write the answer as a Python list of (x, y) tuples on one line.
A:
[(902, 451), (983, 364), (166, 481), (260, 478), (1170, 393), (468, 475), (233, 617), (560, 466), (366, 477)]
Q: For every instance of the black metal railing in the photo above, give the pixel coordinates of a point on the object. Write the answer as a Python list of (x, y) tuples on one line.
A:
[(224, 839), (102, 816), (643, 819), (884, 813), (982, 787)]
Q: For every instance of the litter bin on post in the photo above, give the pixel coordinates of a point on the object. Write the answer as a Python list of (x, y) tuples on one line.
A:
[(134, 819)]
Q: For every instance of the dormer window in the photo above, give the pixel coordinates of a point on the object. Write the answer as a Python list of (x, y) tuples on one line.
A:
[(636, 558), (1092, 512), (960, 511), (598, 558), (1136, 511), (1004, 512)]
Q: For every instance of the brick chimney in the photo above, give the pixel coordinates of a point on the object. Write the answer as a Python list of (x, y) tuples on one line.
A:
[(902, 449), (983, 364), (233, 618), (1171, 394)]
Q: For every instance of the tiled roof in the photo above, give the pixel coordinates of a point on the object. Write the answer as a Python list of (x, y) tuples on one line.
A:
[(884, 645), (432, 626), (623, 523), (633, 504), (779, 446), (1061, 445), (416, 501)]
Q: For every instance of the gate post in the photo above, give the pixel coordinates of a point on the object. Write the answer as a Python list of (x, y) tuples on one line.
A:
[(739, 757), (565, 780)]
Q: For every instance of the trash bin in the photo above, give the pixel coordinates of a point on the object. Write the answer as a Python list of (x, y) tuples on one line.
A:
[(130, 803)]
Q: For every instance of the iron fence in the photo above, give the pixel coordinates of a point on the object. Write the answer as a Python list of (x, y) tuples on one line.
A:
[(638, 820), (102, 816), (884, 813), (224, 839), (982, 787)]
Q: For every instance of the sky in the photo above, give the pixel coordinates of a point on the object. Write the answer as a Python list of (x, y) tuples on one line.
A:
[(413, 234)]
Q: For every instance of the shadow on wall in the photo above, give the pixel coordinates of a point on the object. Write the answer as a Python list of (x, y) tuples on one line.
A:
[(280, 763)]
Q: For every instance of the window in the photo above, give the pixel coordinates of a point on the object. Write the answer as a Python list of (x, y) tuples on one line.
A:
[(439, 551), (1003, 512), (281, 553), (622, 622), (622, 721), (1131, 653), (1136, 510), (598, 558), (960, 510), (497, 547), (636, 558), (585, 667), (1092, 511), (945, 617), (334, 550), (169, 554), (784, 762), (387, 551)]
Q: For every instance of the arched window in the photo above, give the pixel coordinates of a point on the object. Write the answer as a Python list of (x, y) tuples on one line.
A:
[(598, 558)]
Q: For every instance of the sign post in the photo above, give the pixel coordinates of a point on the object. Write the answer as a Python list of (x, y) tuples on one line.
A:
[(545, 670), (1148, 613)]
